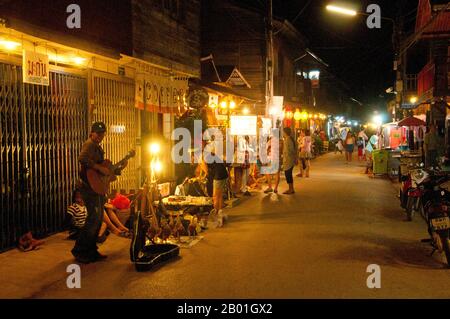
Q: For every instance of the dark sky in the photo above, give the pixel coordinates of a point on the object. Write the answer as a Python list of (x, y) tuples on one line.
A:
[(359, 56)]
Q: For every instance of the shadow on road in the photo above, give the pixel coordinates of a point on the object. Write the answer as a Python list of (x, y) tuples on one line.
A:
[(386, 251)]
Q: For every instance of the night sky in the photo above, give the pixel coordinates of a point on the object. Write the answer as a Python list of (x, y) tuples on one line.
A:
[(360, 57)]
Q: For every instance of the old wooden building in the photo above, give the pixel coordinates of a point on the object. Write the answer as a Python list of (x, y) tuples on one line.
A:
[(243, 43), (127, 65)]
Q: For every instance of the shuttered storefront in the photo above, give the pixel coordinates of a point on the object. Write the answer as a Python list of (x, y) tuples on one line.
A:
[(42, 130), (114, 104)]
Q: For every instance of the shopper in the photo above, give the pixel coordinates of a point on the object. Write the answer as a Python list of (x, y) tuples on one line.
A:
[(273, 167), (372, 145), (362, 140), (349, 146), (305, 154), (219, 172), (243, 157), (289, 158)]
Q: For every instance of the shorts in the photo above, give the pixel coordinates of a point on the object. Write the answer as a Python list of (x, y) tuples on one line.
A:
[(305, 155), (220, 184), (349, 148)]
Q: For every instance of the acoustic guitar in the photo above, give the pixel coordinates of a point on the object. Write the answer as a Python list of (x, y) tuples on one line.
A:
[(99, 182)]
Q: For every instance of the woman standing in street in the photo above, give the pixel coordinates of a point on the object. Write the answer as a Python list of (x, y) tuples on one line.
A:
[(349, 146), (289, 158), (273, 168), (305, 154)]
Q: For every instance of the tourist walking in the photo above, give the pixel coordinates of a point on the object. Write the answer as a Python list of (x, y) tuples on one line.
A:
[(349, 146), (305, 154), (272, 168)]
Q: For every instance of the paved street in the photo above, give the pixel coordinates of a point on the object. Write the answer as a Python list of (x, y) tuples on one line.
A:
[(314, 244)]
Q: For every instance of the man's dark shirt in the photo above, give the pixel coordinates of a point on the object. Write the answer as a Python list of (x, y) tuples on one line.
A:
[(91, 154), (216, 168)]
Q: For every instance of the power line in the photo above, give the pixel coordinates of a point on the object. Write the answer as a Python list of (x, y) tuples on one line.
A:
[(301, 11)]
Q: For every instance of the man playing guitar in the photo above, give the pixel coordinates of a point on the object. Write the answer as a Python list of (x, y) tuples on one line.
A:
[(91, 157)]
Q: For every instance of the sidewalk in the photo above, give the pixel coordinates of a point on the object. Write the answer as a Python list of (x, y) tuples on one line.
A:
[(25, 274)]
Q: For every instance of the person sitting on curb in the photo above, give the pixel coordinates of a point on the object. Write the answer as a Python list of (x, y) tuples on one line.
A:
[(77, 213)]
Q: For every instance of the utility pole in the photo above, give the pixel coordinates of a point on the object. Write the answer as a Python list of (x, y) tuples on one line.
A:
[(269, 57)]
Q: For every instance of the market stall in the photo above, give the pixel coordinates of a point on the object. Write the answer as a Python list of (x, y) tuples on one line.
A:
[(401, 146)]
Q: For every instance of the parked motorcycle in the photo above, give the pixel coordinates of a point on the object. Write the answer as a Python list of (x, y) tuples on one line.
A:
[(434, 205), (410, 192)]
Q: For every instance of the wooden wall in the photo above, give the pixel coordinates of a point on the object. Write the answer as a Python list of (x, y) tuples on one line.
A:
[(236, 36), (167, 33)]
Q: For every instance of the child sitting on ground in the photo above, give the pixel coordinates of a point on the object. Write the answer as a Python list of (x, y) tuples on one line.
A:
[(77, 213)]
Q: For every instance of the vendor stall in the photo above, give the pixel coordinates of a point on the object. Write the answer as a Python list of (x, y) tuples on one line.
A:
[(402, 143)]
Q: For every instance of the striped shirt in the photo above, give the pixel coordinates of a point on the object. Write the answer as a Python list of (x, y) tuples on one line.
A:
[(78, 213)]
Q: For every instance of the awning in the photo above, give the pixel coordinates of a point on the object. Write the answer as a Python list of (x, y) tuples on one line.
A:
[(223, 90)]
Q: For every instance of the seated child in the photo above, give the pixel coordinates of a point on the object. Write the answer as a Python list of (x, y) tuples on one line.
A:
[(77, 213)]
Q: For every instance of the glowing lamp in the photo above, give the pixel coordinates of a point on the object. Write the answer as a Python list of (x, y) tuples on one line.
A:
[(79, 60), (341, 10), (154, 148), (289, 115), (297, 115), (9, 45)]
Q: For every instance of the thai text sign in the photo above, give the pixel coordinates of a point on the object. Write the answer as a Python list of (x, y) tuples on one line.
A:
[(35, 68), (160, 94)]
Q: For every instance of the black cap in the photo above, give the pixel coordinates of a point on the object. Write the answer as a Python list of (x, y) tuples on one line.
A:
[(98, 127)]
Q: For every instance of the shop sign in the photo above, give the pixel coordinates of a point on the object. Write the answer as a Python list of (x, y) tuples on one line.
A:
[(157, 93), (35, 68), (198, 98), (243, 125)]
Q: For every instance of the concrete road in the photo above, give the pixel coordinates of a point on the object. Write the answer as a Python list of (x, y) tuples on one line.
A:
[(317, 243)]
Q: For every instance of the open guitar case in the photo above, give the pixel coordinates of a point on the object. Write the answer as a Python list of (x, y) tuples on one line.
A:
[(143, 255)]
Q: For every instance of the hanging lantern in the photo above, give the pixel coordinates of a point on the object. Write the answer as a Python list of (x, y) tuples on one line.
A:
[(297, 115), (304, 116), (289, 115)]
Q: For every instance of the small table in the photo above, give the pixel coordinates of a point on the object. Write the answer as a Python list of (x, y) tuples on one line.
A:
[(182, 203)]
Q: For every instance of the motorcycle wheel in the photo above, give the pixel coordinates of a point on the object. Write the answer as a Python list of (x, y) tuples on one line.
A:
[(446, 246)]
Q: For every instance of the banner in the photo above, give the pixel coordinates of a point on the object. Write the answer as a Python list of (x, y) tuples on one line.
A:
[(162, 94), (35, 68)]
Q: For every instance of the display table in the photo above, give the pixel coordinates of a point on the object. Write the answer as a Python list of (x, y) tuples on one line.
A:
[(187, 201)]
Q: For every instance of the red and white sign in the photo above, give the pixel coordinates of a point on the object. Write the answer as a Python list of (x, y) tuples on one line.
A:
[(36, 68)]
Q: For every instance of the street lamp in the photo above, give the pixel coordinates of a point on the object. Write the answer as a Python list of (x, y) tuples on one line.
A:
[(395, 34), (340, 10)]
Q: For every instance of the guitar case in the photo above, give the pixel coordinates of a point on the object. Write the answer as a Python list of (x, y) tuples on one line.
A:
[(145, 256)]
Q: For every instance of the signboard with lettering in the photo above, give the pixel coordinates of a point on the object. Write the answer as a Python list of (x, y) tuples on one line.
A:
[(243, 125), (35, 68), (156, 93)]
